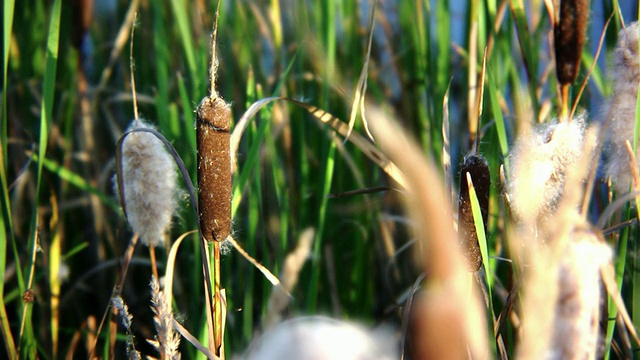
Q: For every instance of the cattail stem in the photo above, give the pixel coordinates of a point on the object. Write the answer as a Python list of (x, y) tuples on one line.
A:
[(213, 125), (564, 98), (218, 328), (154, 264)]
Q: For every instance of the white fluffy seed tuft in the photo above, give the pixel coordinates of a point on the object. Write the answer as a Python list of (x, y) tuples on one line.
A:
[(150, 184), (622, 107), (577, 310), (320, 338), (539, 164)]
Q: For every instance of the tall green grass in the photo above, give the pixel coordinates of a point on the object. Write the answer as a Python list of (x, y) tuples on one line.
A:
[(288, 164)]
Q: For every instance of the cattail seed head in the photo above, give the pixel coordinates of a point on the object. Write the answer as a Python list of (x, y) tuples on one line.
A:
[(150, 184), (622, 107), (213, 124), (478, 168), (539, 164), (569, 34), (577, 309)]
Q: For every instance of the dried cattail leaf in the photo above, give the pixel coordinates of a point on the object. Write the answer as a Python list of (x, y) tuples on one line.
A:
[(569, 33), (213, 124), (478, 168)]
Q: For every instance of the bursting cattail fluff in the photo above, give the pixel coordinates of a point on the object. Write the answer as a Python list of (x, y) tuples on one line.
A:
[(150, 187), (577, 309), (539, 163), (622, 107)]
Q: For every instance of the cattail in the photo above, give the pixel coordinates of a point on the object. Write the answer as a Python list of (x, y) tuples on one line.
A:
[(167, 340), (622, 107), (213, 124), (320, 338), (539, 164), (149, 179), (577, 309), (569, 34), (126, 319), (478, 169)]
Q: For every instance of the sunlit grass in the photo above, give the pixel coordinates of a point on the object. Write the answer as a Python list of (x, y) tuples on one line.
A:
[(57, 194)]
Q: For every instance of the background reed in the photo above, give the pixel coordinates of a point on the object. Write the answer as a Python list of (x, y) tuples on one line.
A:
[(361, 263)]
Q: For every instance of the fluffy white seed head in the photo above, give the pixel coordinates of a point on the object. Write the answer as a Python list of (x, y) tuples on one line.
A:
[(577, 310), (539, 165), (622, 107), (319, 338), (562, 292), (150, 184)]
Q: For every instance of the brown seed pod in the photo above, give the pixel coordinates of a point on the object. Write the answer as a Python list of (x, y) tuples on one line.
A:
[(478, 168), (213, 123), (569, 33)]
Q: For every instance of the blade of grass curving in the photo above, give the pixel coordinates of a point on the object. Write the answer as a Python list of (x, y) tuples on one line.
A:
[(361, 88), (6, 222), (482, 242), (7, 27), (500, 127), (54, 271), (27, 336), (325, 117), (528, 50), (619, 266), (266, 272), (608, 278), (77, 181), (359, 141), (171, 264), (187, 113), (193, 340), (163, 62), (328, 38), (326, 189), (180, 11)]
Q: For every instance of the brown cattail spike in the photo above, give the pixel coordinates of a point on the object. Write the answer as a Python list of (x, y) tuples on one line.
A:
[(569, 34), (477, 167), (213, 124)]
